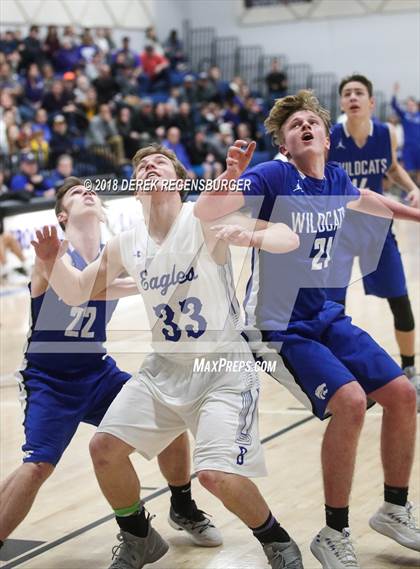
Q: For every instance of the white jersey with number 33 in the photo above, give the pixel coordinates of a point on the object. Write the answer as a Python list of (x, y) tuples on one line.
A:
[(189, 298)]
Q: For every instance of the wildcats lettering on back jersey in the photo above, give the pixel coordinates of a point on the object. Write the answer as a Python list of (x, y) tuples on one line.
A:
[(65, 339), (288, 287), (365, 166), (189, 299)]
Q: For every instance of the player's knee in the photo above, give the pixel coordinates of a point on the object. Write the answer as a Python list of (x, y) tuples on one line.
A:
[(349, 402), (211, 480), (103, 449), (38, 472), (402, 313), (403, 396)]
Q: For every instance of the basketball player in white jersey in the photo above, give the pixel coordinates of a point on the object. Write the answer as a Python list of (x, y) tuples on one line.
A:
[(182, 270)]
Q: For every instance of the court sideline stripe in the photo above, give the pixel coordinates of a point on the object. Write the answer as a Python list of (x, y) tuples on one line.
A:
[(152, 496)]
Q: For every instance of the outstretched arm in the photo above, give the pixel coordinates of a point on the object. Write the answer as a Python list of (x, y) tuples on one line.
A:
[(120, 288), (394, 102), (376, 204), (73, 286), (214, 204), (246, 232)]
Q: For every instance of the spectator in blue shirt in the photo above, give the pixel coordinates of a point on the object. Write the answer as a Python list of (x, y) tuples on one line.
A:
[(28, 180), (41, 121), (130, 57), (63, 170), (173, 142), (8, 42), (67, 57), (87, 49), (34, 85)]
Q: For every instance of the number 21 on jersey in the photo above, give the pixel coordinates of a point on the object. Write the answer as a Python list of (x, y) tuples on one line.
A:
[(322, 246)]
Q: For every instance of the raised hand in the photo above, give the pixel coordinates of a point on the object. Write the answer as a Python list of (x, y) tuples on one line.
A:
[(414, 198), (234, 235), (48, 246), (238, 159)]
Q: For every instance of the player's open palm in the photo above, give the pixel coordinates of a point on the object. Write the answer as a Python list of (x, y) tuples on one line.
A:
[(234, 235), (238, 158), (48, 246)]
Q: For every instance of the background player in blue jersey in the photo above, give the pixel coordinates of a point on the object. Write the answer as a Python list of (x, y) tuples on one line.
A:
[(410, 120), (332, 365), (366, 149), (68, 377)]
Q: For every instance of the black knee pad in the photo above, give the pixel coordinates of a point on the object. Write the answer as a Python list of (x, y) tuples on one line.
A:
[(403, 315)]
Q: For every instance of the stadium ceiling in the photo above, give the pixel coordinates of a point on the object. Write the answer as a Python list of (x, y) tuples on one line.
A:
[(129, 14)]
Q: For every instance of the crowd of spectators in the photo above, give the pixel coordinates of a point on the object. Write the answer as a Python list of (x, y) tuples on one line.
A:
[(76, 103)]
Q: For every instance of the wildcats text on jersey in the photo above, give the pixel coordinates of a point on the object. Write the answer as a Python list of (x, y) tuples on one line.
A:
[(317, 222), (365, 167)]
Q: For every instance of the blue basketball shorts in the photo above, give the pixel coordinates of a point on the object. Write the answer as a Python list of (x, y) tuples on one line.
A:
[(316, 357), (54, 405)]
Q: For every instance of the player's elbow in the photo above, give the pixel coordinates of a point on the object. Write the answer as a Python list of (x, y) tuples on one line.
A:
[(290, 242), (393, 169), (293, 241), (75, 298)]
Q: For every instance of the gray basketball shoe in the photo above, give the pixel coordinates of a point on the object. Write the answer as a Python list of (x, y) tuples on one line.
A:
[(135, 552), (398, 523), (283, 555), (334, 549), (202, 532)]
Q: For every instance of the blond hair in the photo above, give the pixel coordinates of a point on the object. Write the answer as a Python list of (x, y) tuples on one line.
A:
[(159, 149), (284, 108)]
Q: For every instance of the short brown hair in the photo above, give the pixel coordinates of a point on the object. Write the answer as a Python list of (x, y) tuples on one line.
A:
[(360, 79), (159, 149), (284, 108), (67, 185)]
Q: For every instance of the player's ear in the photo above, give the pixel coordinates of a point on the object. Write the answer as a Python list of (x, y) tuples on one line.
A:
[(372, 103), (62, 217), (327, 143), (283, 150)]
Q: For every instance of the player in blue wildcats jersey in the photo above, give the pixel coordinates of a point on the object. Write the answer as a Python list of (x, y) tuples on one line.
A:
[(219, 408), (68, 377), (366, 149), (410, 120), (332, 365)]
